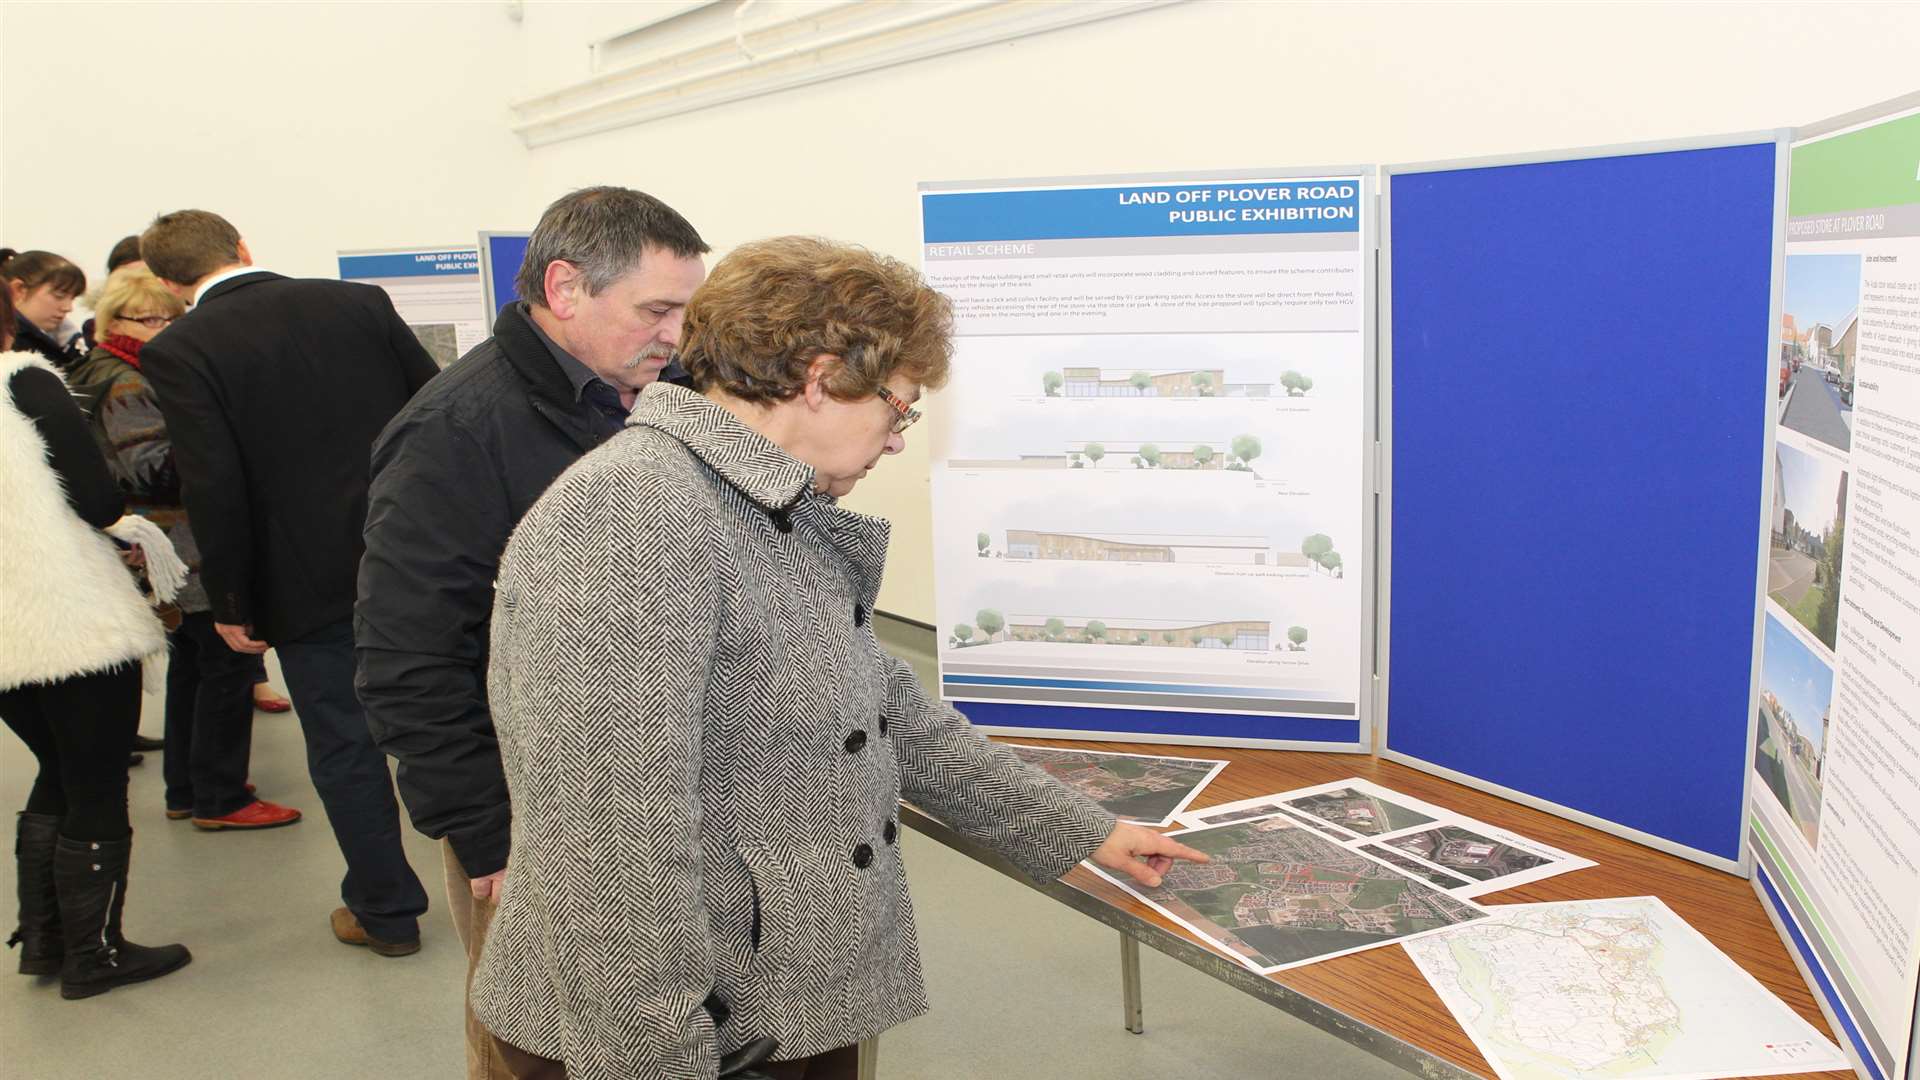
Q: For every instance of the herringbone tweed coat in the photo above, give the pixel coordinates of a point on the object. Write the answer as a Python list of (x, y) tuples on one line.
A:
[(706, 748)]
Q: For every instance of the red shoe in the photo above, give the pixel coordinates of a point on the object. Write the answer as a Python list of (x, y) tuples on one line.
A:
[(270, 701), (258, 814)]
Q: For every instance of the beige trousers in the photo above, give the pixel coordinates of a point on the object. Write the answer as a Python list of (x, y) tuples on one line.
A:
[(471, 918)]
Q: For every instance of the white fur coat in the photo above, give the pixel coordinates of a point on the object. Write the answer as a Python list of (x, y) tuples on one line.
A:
[(67, 604)]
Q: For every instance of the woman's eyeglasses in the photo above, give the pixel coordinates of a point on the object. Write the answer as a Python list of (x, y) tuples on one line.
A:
[(151, 322), (907, 415)]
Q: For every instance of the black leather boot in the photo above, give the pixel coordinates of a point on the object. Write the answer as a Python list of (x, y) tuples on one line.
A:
[(91, 876), (39, 932)]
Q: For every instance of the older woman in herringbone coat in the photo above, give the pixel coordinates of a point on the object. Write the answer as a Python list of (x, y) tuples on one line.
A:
[(705, 744)]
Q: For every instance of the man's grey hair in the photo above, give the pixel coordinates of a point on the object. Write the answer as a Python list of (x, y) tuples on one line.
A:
[(603, 231)]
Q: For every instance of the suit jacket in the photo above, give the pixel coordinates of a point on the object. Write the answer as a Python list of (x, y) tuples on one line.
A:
[(273, 390), (452, 475), (706, 747)]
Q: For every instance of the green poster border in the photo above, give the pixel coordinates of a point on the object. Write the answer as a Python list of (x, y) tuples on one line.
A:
[(1868, 169)]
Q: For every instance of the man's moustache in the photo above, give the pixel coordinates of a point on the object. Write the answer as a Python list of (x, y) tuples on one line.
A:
[(650, 353)]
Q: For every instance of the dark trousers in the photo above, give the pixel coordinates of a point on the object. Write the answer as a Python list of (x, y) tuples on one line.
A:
[(350, 773), (81, 730), (209, 720), (841, 1064)]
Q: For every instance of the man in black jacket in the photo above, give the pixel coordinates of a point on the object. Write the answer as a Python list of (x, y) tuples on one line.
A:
[(273, 390), (607, 276)]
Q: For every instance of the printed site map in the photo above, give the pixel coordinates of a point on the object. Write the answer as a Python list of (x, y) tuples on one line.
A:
[(1612, 988), (1136, 787), (1277, 895)]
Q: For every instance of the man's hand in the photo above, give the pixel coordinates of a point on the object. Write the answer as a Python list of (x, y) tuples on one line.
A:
[(240, 638), (1143, 854), (488, 887)]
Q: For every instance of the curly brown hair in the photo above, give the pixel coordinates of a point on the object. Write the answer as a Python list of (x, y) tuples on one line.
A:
[(771, 307)]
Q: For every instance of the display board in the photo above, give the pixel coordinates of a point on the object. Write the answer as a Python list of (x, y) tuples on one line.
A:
[(1150, 503), (501, 254), (436, 291), (1837, 763), (1575, 358)]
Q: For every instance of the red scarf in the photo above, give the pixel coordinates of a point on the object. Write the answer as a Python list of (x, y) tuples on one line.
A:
[(125, 347)]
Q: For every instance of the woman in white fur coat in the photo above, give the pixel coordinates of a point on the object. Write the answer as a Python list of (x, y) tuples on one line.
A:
[(73, 630)]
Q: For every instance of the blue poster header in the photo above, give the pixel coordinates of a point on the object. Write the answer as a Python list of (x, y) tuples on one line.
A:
[(1224, 208), (410, 264)]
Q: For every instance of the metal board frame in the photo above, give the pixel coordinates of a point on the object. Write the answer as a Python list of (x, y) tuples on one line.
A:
[(1782, 139), (1371, 234)]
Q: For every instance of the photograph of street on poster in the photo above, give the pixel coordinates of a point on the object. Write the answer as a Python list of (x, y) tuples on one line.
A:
[(1808, 543), (1819, 340), (1796, 701)]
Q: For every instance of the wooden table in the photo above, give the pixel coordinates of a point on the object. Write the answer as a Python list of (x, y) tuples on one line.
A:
[(1377, 999)]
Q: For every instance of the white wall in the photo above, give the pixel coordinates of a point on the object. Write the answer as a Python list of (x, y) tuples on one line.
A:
[(423, 154), (312, 127)]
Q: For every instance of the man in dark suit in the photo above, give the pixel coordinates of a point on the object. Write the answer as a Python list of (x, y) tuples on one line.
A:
[(273, 390)]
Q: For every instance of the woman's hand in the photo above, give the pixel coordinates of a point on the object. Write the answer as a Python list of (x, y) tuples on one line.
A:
[(135, 556), (1143, 854)]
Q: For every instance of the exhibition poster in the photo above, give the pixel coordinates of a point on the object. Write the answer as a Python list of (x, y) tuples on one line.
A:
[(1835, 812), (1278, 895), (1459, 854), (1620, 988), (436, 291), (1149, 489), (1141, 788)]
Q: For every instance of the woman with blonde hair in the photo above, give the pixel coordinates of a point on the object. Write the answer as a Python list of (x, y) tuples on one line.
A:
[(209, 713)]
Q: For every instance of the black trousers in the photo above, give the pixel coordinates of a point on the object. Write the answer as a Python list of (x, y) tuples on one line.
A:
[(350, 773), (81, 730), (209, 720)]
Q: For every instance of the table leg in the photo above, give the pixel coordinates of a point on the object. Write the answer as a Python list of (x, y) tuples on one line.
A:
[(869, 1055), (1130, 983)]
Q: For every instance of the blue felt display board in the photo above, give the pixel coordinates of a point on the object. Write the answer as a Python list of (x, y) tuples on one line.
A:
[(1580, 359), (501, 255)]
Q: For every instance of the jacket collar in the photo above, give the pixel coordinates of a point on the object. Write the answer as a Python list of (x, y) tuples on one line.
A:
[(238, 281), (768, 476), (751, 462), (531, 358)]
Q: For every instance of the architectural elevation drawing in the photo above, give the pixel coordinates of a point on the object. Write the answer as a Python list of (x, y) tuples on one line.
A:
[(1234, 453), (1147, 547), (1135, 787), (1158, 512), (1093, 382), (1278, 895), (1119, 630)]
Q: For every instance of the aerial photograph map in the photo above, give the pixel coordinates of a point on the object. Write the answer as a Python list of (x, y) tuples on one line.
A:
[(1468, 853), (1361, 812), (1277, 895), (1135, 787), (1613, 988)]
